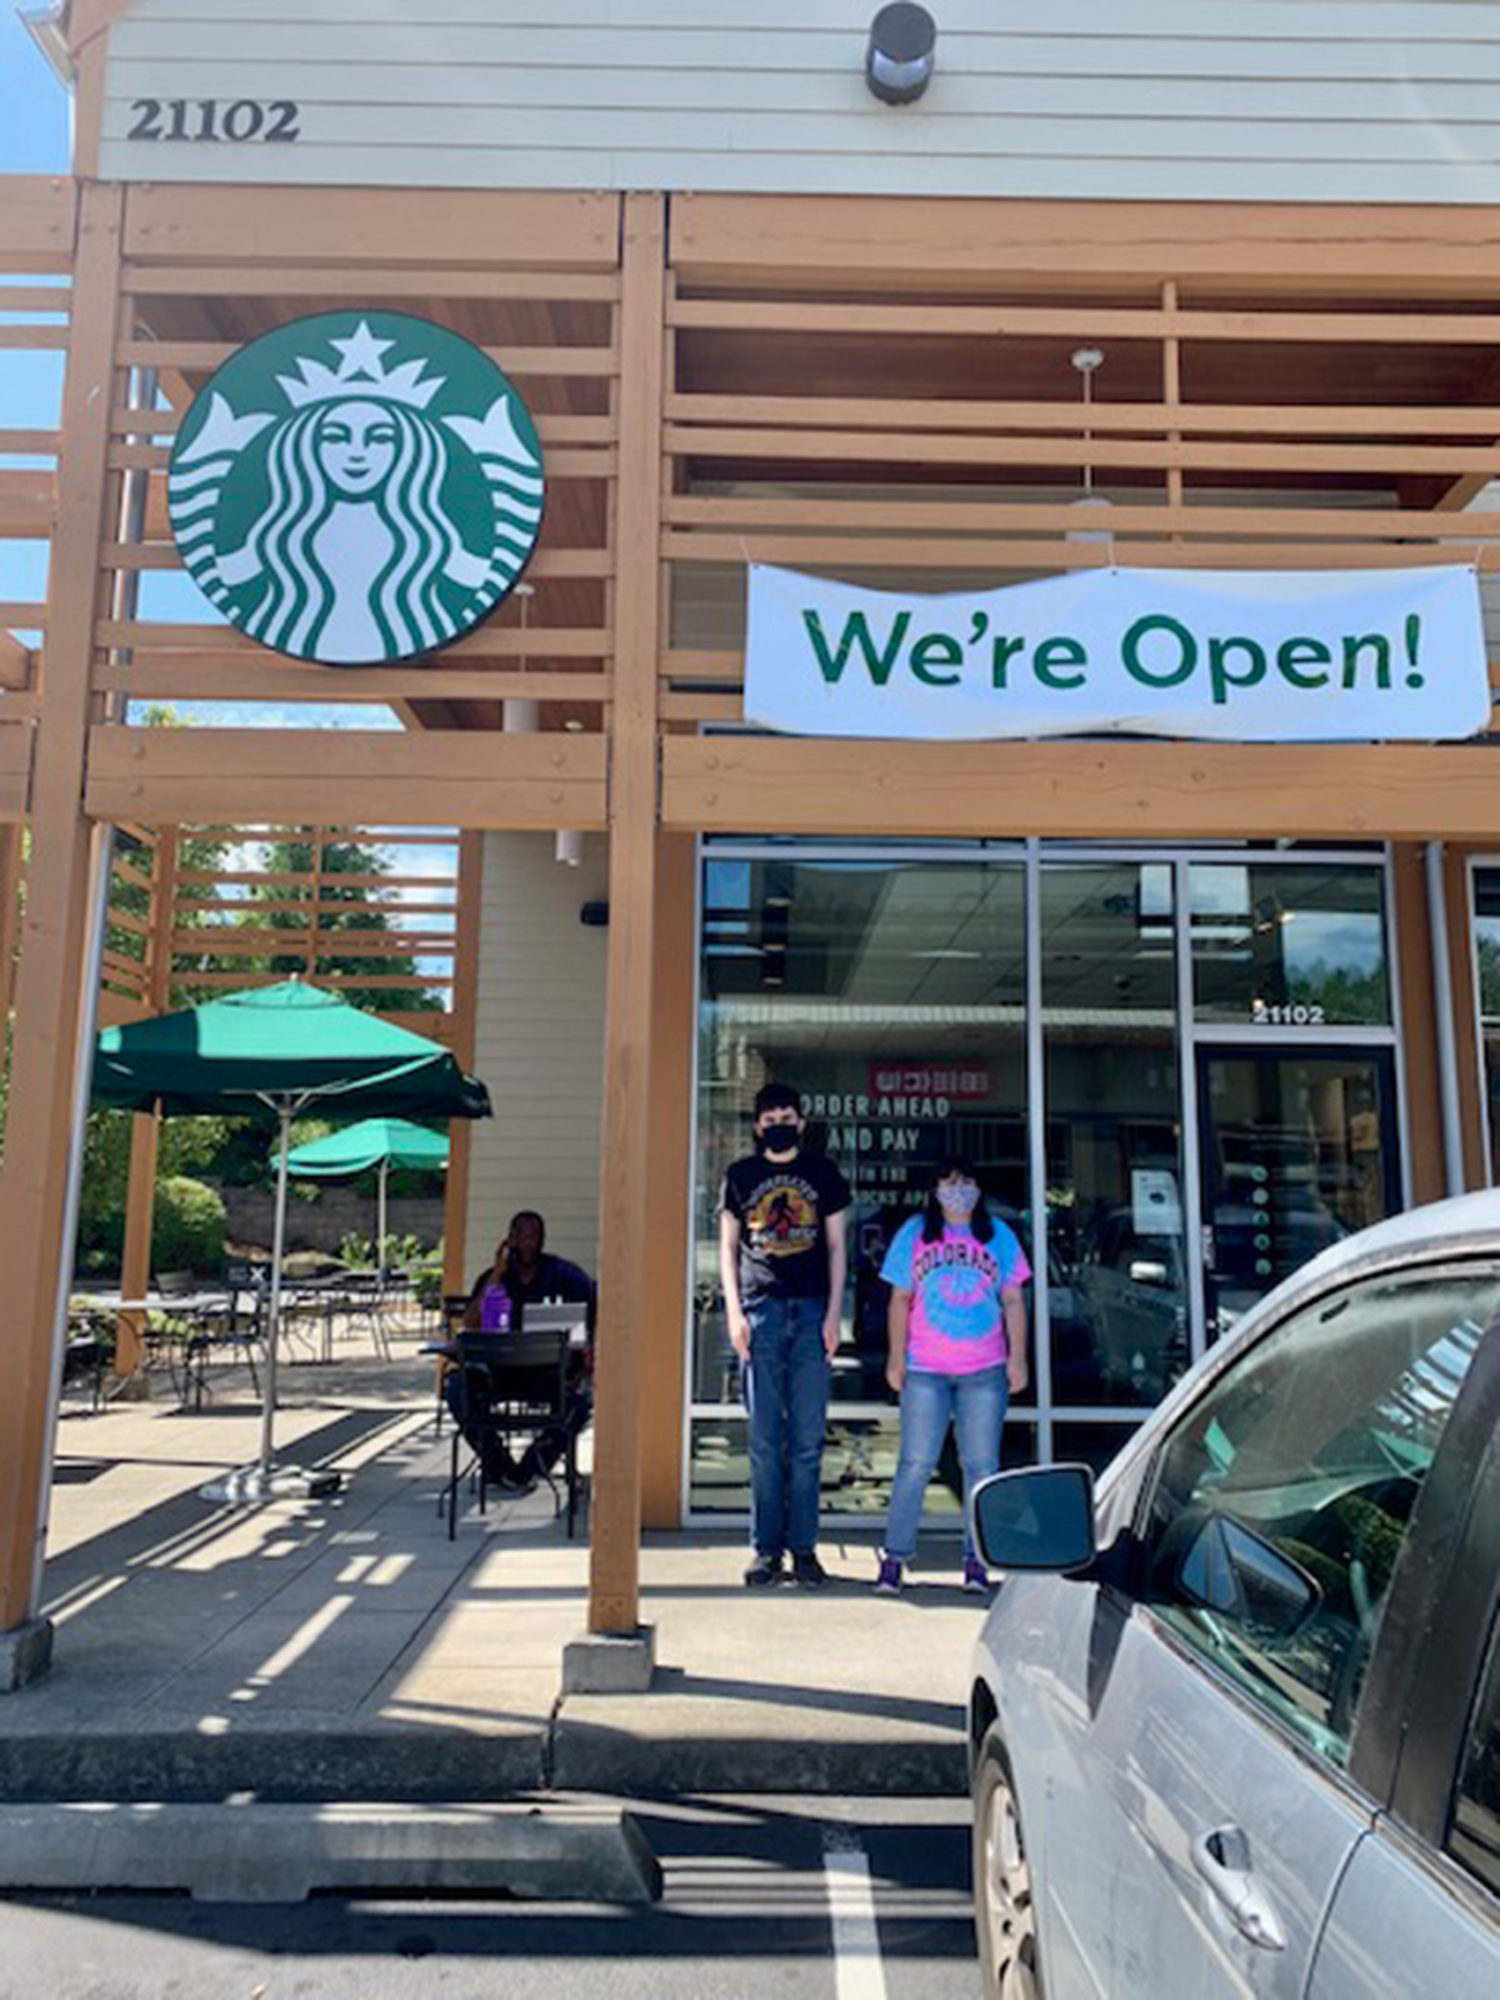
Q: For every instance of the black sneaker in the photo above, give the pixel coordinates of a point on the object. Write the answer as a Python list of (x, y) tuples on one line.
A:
[(808, 1572), (763, 1572)]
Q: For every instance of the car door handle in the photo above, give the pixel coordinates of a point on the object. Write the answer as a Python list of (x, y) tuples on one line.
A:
[(1222, 1858)]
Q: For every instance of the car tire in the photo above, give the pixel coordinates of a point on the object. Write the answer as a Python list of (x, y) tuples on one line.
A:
[(1004, 1914)]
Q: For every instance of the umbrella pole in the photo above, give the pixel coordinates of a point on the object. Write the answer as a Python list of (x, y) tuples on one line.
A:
[(273, 1318), (385, 1167)]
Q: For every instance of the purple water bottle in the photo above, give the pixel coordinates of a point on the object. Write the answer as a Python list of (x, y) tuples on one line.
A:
[(494, 1312)]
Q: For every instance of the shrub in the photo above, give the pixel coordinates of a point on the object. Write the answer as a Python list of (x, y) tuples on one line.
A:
[(187, 1231), (356, 1251), (427, 1281), (402, 1253)]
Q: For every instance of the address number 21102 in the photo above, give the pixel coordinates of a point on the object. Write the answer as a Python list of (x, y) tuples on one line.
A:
[(240, 120)]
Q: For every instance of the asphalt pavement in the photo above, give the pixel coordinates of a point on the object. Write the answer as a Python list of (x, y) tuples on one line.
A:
[(806, 1899)]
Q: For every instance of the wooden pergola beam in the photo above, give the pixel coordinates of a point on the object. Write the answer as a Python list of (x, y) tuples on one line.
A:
[(1083, 790), (1336, 249), (38, 222), (459, 778)]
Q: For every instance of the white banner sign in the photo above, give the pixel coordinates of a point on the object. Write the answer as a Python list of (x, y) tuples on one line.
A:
[(1268, 657)]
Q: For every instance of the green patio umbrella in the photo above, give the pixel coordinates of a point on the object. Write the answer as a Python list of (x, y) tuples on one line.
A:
[(288, 1047), (381, 1143)]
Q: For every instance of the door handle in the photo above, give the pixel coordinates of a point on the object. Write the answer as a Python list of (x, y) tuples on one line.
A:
[(1222, 1858)]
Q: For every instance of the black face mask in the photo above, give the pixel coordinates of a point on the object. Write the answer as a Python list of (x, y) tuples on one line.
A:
[(779, 1139)]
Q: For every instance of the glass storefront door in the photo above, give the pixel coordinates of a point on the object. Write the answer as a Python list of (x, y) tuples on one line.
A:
[(1118, 1297), (1297, 1149)]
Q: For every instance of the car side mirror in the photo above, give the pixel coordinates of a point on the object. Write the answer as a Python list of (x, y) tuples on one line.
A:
[(1038, 1519), (1230, 1569)]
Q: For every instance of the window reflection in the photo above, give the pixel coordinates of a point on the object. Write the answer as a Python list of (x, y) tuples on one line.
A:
[(1280, 946), (1487, 954)]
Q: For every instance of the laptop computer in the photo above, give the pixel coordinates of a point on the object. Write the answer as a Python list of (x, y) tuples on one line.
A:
[(570, 1317)]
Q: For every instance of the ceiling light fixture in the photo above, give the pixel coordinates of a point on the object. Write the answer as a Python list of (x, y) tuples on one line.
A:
[(1087, 361)]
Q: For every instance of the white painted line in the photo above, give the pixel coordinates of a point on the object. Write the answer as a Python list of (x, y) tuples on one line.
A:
[(858, 1972)]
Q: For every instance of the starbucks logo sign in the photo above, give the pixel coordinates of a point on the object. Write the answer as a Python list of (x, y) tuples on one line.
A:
[(356, 488)]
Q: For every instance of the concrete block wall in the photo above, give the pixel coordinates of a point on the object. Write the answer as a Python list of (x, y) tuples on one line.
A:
[(539, 1045)]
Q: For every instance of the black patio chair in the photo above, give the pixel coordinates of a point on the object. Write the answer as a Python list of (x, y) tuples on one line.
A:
[(89, 1347), (444, 1349), (218, 1332), (364, 1301), (511, 1385)]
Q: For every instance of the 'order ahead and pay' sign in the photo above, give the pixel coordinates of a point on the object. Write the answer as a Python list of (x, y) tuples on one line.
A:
[(1271, 657)]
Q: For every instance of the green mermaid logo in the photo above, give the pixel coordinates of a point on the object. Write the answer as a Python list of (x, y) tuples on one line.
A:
[(356, 489)]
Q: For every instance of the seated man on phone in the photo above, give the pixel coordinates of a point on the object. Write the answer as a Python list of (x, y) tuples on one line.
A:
[(524, 1273)]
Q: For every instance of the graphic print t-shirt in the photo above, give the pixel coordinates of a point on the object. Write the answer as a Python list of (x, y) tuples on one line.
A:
[(956, 1325), (782, 1212)]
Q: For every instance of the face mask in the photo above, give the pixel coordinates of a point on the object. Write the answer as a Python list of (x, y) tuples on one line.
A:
[(779, 1139), (958, 1200)]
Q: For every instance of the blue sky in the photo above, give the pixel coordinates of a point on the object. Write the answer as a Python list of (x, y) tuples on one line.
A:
[(34, 111), (35, 138)]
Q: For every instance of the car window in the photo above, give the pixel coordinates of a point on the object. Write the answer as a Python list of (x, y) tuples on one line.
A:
[(1282, 1498), (1474, 1838)]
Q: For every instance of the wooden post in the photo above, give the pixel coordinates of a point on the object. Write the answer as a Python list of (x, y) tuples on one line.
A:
[(135, 1259), (12, 847), (33, 1190), (145, 1127), (671, 1127), (1171, 387), (466, 919), (627, 1207)]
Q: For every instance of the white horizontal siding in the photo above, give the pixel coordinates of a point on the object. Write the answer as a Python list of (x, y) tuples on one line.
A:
[(1209, 99), (539, 1046)]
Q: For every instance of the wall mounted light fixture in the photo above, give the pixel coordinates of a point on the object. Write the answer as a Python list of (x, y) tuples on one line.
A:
[(902, 53)]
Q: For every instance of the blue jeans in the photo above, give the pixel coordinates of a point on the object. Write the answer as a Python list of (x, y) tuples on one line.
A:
[(976, 1404), (786, 1394)]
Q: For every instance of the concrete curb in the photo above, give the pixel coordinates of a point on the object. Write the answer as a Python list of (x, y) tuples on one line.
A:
[(276, 1765), (604, 1744), (646, 1757), (284, 1853)]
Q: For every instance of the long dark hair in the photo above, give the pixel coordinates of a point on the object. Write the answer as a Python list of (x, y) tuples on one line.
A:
[(932, 1215)]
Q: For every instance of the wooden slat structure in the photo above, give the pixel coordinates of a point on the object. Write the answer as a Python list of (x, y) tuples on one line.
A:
[(38, 228), (879, 391), (246, 920)]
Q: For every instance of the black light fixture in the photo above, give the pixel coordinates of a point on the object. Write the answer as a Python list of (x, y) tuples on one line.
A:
[(902, 54)]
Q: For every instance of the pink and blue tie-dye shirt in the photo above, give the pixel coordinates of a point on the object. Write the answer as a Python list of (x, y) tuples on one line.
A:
[(956, 1325)]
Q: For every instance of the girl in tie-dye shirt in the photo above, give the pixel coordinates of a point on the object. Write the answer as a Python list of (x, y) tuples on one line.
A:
[(957, 1328)]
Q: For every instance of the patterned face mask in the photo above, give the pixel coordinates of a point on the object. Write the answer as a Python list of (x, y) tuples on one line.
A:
[(958, 1200)]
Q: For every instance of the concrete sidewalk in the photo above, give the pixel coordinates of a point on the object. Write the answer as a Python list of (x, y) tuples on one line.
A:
[(345, 1649)]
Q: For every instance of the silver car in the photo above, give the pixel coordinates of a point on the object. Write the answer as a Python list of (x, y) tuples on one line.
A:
[(1238, 1731)]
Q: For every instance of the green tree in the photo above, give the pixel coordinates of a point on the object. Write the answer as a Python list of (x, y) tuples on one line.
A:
[(129, 893), (364, 907)]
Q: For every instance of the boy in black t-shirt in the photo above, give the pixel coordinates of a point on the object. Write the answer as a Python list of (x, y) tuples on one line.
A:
[(782, 1260)]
